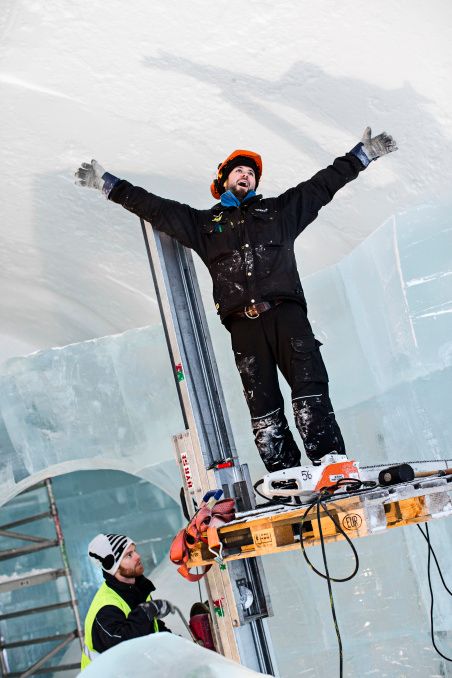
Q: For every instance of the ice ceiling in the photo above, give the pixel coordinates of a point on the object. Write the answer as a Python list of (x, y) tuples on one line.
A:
[(161, 92)]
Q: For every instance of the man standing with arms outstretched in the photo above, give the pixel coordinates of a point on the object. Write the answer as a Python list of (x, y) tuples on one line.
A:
[(247, 243)]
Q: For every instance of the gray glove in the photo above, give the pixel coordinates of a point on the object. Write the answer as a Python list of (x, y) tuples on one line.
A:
[(157, 609), (377, 146), (90, 175)]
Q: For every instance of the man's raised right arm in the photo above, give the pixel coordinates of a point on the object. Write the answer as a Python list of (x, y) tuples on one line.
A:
[(172, 217)]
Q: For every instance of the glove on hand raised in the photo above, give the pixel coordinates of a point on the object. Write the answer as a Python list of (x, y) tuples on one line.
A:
[(377, 146), (90, 175), (157, 609)]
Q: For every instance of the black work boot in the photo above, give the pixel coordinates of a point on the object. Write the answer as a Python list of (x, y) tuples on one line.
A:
[(318, 427), (275, 442)]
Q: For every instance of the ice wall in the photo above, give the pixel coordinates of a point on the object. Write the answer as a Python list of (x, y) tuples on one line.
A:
[(106, 403), (384, 316)]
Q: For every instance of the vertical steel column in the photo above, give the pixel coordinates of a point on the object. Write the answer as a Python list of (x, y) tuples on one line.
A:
[(209, 441)]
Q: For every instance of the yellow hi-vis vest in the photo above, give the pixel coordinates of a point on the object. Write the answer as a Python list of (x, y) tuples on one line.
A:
[(104, 596)]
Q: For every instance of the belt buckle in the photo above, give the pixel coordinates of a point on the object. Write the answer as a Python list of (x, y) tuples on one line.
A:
[(251, 312)]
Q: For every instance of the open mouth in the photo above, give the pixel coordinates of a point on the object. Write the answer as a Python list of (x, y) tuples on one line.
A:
[(243, 184)]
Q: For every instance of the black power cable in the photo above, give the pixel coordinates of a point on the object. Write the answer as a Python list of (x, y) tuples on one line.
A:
[(318, 502), (325, 494), (282, 501), (431, 552)]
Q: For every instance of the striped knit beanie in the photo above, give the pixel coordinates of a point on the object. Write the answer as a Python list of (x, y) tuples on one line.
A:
[(107, 549)]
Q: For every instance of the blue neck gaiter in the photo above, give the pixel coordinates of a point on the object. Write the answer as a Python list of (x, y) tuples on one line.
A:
[(228, 199)]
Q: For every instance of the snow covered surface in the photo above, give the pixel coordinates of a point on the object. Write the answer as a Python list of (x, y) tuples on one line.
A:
[(160, 93), (164, 655)]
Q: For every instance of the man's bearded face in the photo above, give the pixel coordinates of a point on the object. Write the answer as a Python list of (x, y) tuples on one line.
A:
[(131, 565), (240, 181)]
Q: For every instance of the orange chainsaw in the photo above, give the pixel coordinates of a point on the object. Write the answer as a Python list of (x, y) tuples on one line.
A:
[(305, 481), (301, 483)]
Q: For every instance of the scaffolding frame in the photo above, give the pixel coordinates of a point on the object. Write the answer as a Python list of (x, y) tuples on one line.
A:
[(33, 579)]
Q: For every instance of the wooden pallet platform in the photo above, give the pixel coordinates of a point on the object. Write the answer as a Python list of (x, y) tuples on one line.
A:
[(277, 529)]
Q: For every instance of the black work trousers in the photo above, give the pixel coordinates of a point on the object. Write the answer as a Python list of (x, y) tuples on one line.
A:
[(282, 338)]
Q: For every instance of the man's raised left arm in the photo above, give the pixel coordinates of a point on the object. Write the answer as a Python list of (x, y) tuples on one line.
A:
[(306, 199)]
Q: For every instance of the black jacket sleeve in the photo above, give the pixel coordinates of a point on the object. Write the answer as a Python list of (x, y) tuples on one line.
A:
[(174, 218), (111, 627), (305, 200)]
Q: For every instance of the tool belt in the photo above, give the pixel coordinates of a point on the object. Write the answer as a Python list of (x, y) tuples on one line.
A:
[(255, 310), (203, 527)]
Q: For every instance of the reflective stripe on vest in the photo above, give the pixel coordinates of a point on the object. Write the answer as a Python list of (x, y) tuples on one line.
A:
[(91, 654), (104, 596)]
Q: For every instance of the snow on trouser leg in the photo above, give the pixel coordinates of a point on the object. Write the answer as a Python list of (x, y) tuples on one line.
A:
[(275, 442), (317, 425)]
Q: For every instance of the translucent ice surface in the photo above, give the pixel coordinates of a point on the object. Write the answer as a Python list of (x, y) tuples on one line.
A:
[(107, 403), (385, 315)]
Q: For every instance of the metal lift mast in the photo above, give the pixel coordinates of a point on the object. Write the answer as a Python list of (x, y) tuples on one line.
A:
[(206, 451)]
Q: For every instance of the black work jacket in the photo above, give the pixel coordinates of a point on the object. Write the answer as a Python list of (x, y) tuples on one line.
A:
[(249, 250), (111, 626)]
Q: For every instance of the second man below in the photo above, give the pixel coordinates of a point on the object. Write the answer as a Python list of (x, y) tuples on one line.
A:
[(122, 607)]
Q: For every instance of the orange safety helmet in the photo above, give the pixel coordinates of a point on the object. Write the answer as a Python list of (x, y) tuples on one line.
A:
[(239, 157)]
